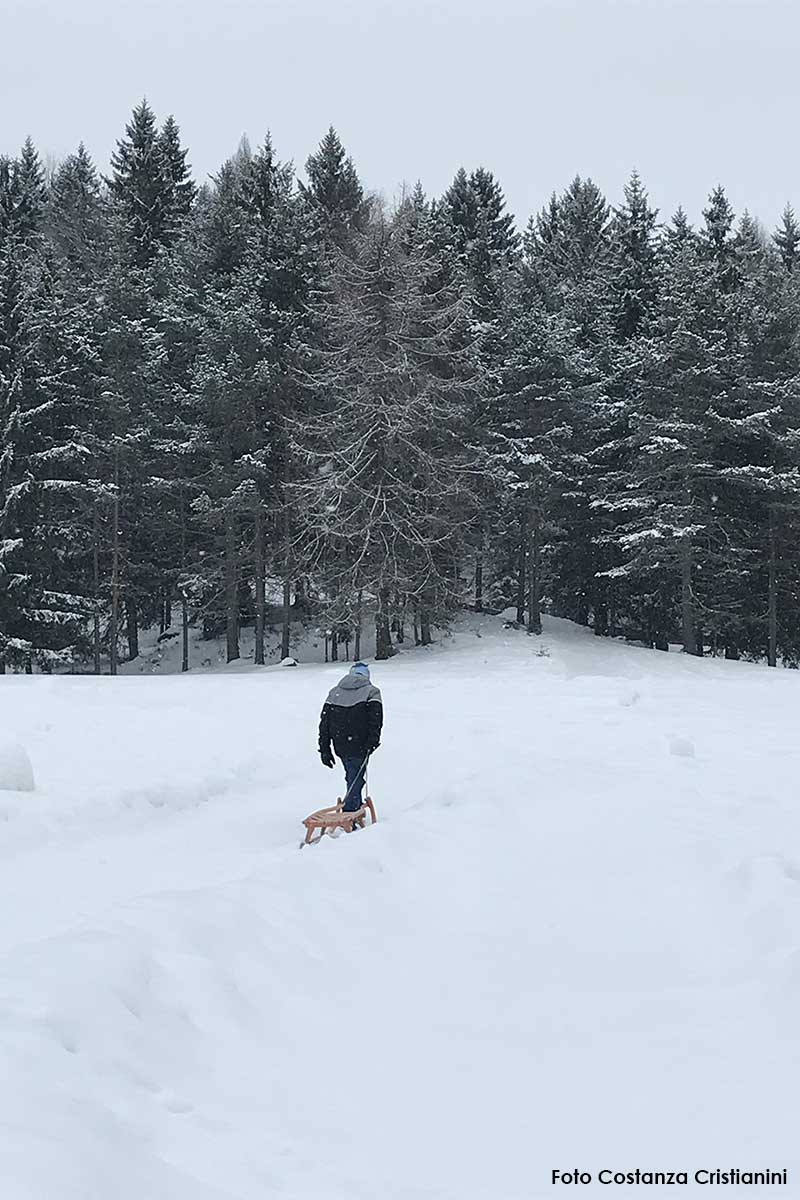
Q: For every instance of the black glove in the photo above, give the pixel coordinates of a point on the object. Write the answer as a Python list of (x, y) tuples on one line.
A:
[(327, 758)]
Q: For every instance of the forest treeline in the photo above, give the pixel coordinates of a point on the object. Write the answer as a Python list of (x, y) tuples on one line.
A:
[(273, 397)]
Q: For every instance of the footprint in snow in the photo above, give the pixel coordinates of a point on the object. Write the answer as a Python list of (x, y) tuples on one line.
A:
[(766, 875)]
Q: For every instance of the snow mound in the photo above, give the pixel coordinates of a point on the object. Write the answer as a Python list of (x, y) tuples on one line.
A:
[(16, 770), (288, 662), (681, 747)]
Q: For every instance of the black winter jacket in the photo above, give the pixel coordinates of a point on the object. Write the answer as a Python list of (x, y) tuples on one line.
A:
[(352, 718)]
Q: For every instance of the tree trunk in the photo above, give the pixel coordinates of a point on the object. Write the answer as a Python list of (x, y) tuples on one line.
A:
[(301, 598), (334, 646), (357, 648), (383, 637), (286, 617), (772, 611), (425, 638), (113, 632), (534, 603), (600, 608), (260, 583), (286, 624), (687, 608), (398, 621), (184, 597), (662, 622), (479, 578), (521, 565), (132, 629), (231, 589), (96, 589), (185, 632)]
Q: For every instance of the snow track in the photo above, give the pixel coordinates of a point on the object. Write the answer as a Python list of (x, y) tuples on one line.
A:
[(571, 940)]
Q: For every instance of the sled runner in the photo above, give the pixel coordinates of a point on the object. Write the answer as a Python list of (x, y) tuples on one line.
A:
[(327, 819)]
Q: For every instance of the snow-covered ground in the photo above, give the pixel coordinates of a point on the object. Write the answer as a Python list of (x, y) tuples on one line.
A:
[(572, 940)]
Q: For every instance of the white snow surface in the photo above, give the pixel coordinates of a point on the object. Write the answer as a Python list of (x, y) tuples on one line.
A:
[(570, 941)]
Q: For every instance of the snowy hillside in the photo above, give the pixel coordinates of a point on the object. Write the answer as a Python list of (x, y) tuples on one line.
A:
[(571, 941)]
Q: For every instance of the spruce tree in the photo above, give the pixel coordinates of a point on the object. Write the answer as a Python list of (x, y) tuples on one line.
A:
[(335, 192), (22, 194), (76, 217), (257, 263), (665, 522), (679, 232), (478, 234), (221, 229), (150, 185), (535, 443), (569, 263), (48, 492), (228, 380), (152, 196), (716, 239), (756, 447), (179, 188), (281, 269), (787, 238), (479, 249), (635, 254), (31, 191)]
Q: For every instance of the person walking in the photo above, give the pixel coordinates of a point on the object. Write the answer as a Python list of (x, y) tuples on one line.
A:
[(350, 725)]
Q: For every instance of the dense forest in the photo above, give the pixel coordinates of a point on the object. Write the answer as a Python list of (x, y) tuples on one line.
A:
[(273, 398)]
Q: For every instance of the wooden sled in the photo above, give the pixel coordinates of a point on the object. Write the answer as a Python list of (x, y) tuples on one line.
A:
[(325, 820)]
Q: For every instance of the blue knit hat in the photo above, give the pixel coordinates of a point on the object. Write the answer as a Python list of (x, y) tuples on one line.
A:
[(360, 668)]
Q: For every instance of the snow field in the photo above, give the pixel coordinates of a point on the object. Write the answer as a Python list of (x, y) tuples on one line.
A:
[(571, 940)]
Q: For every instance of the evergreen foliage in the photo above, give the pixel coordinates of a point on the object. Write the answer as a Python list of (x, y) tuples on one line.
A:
[(335, 192), (271, 394)]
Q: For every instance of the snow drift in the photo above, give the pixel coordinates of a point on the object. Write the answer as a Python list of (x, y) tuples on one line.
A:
[(16, 770)]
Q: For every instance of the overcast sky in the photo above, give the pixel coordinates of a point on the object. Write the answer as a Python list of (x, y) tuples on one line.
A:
[(691, 92)]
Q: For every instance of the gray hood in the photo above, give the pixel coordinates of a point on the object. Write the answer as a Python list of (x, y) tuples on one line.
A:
[(353, 689), (354, 681)]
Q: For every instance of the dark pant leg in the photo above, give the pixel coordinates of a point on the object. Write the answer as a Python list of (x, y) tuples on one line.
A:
[(353, 770)]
